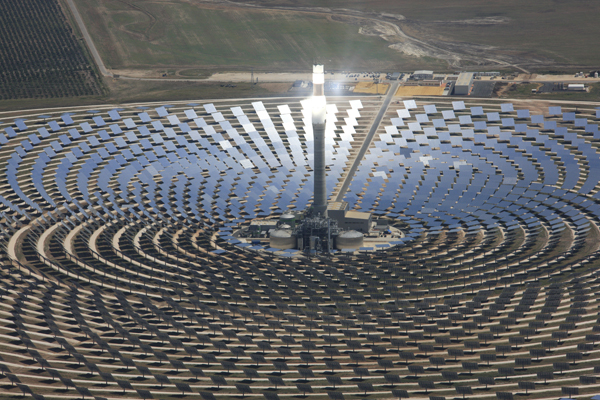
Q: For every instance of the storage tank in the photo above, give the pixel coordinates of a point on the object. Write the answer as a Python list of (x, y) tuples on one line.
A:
[(349, 240), (288, 219), (282, 239)]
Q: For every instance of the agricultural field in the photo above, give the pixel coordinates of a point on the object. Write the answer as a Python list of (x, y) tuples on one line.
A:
[(39, 55), (287, 35), (185, 35), (533, 33), (521, 91)]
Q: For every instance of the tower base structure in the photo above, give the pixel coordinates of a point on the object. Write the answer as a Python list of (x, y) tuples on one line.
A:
[(316, 234)]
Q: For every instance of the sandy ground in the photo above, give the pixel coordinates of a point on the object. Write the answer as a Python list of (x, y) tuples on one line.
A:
[(371, 88), (290, 77), (261, 77), (276, 87), (137, 73), (420, 91)]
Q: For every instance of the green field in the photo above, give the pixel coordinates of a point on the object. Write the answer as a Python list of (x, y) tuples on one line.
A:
[(153, 34), (539, 32), (181, 34), (555, 30), (523, 91), (195, 38), (131, 91)]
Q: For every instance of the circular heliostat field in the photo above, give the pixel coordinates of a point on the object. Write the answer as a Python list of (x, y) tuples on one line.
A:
[(122, 277)]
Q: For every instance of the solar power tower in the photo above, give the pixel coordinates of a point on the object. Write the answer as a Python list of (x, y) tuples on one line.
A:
[(319, 113)]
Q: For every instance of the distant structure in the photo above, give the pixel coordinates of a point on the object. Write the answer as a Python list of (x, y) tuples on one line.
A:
[(349, 219), (576, 86), (422, 74)]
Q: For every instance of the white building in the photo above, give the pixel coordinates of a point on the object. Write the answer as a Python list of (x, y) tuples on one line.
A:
[(424, 74), (576, 86), (464, 83)]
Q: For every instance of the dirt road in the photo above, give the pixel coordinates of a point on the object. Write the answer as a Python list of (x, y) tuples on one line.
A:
[(88, 39), (383, 25)]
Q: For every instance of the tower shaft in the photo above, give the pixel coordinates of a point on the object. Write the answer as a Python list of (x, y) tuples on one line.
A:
[(319, 113)]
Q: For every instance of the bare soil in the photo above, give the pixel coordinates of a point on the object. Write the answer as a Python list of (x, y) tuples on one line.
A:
[(275, 87), (415, 37)]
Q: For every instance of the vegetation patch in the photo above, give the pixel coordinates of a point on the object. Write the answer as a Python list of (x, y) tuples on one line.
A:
[(190, 35), (39, 54)]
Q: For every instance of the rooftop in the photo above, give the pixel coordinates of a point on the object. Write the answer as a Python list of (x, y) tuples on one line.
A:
[(464, 78), (358, 215), (337, 205)]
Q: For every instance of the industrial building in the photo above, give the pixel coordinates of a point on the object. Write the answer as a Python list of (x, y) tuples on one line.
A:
[(487, 73), (464, 83), (319, 227), (261, 227), (423, 74), (576, 87), (348, 219), (431, 82)]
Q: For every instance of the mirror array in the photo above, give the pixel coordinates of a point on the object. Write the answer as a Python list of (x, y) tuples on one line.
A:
[(121, 277)]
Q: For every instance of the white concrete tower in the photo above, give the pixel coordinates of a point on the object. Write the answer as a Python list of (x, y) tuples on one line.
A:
[(319, 114)]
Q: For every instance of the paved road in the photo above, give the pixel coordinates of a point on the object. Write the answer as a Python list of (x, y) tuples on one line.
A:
[(368, 139), (88, 39)]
